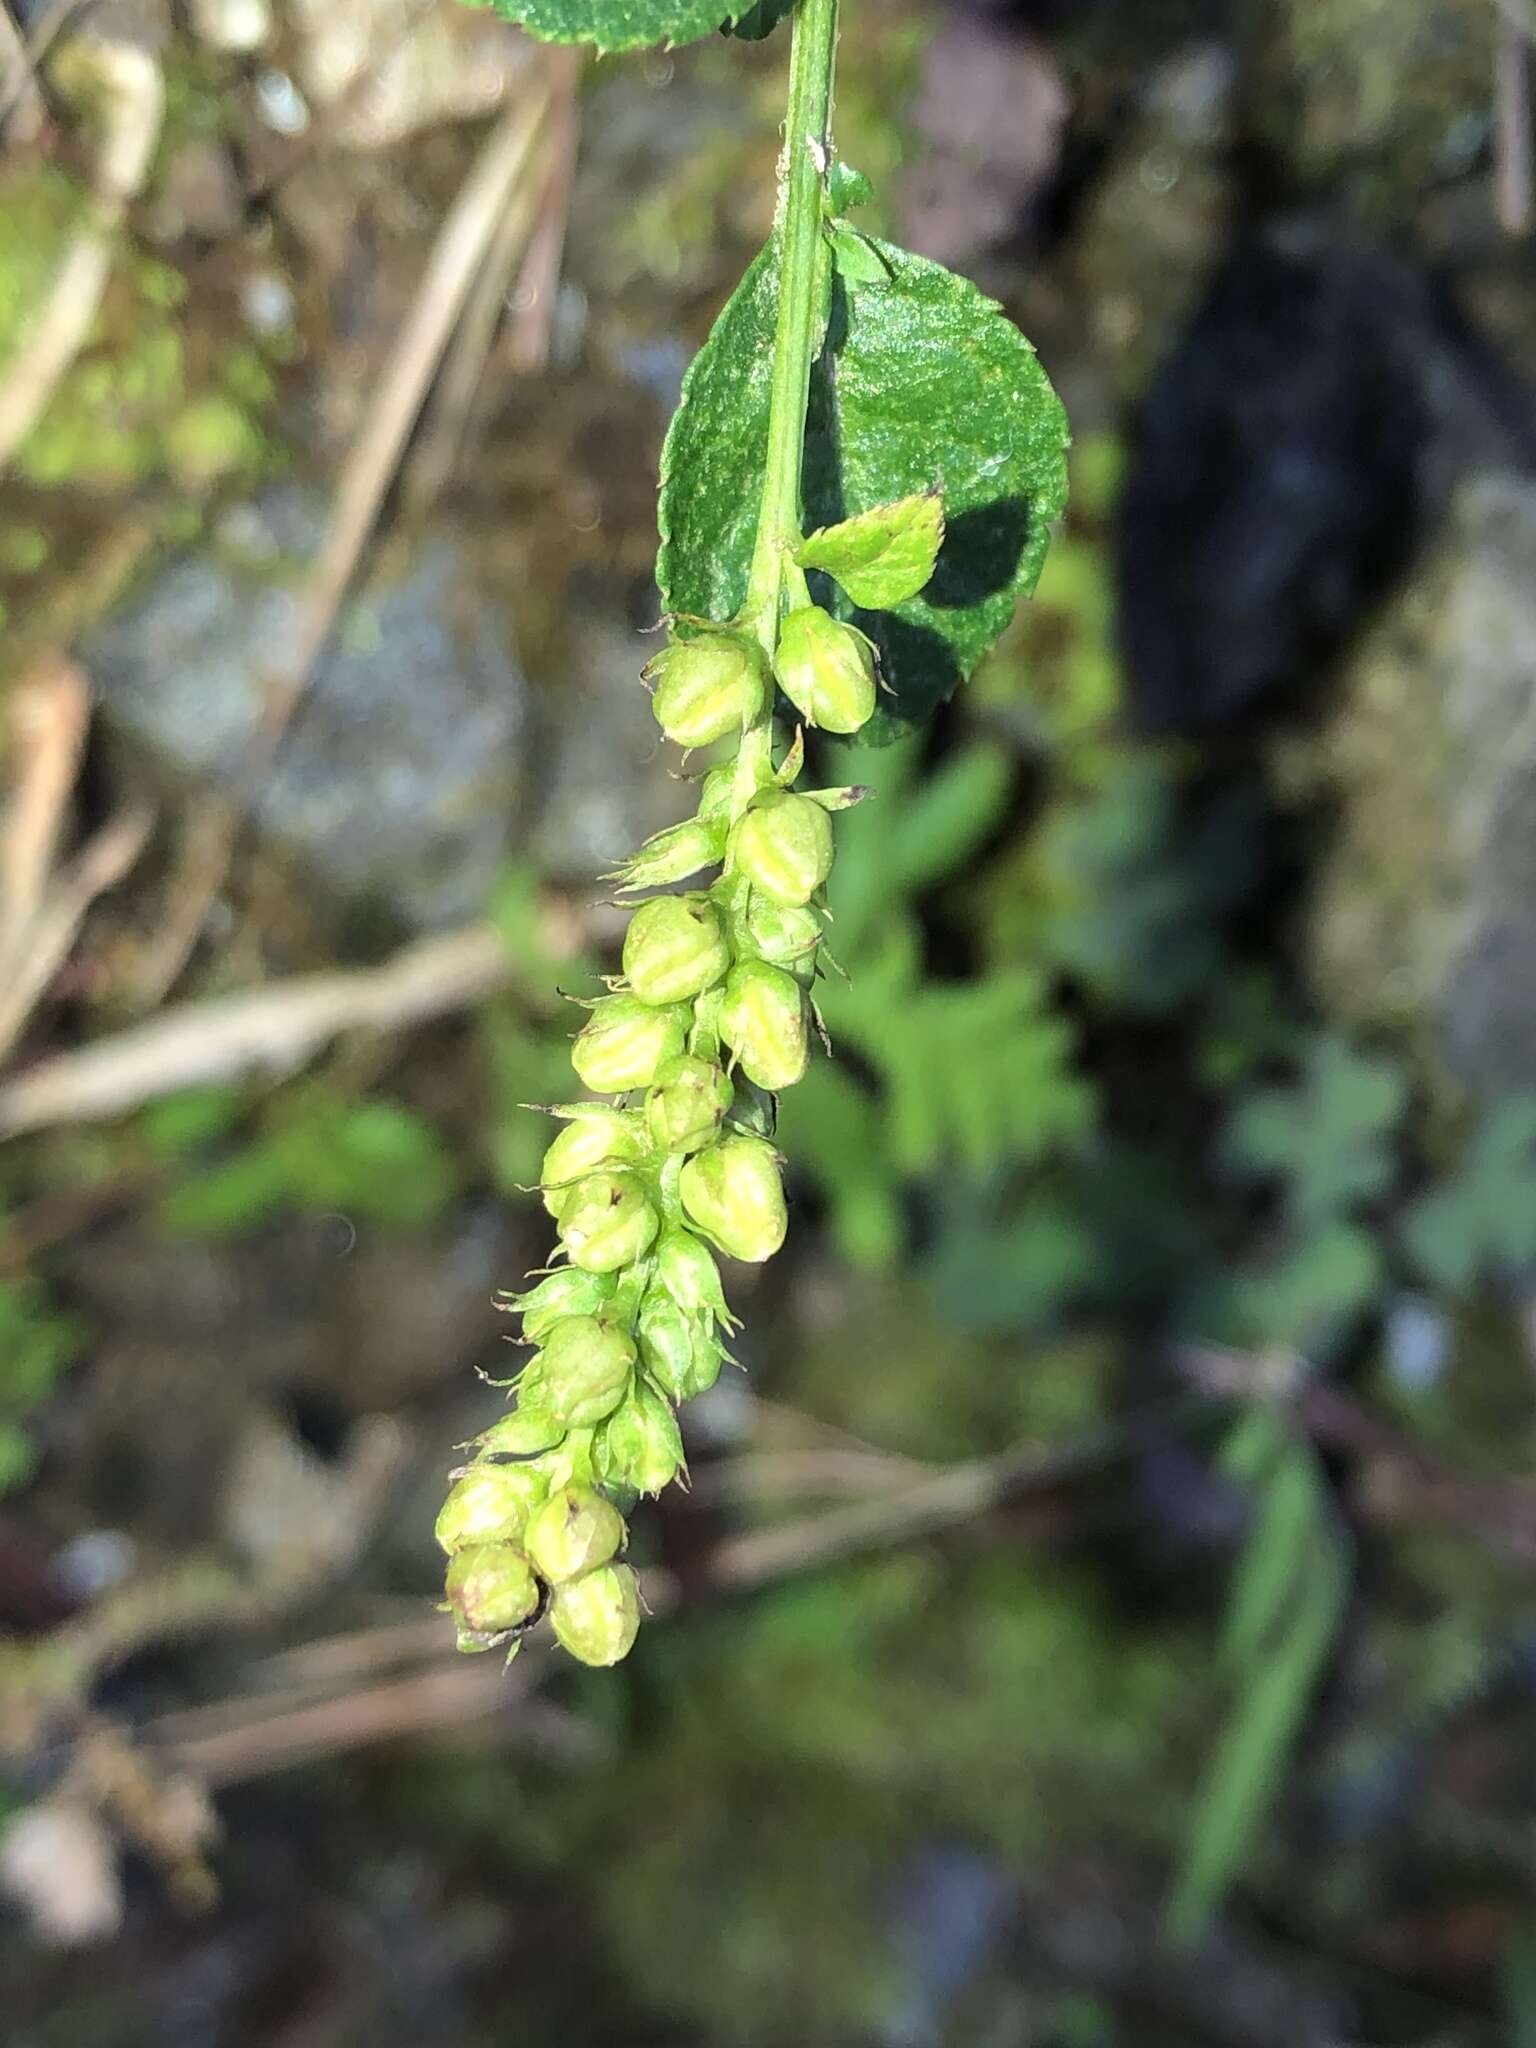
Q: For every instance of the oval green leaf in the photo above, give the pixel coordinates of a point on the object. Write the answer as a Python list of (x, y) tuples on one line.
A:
[(922, 384), (620, 24)]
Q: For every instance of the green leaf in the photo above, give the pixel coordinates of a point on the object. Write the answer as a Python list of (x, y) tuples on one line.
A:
[(233, 1195), (378, 1160), (883, 557), (1519, 1979), (716, 449), (1276, 1691), (922, 383), (17, 1458), (836, 1133), (621, 24), (1483, 1218), (191, 1118), (1274, 1558), (858, 260), (920, 827), (1327, 1137), (847, 187)]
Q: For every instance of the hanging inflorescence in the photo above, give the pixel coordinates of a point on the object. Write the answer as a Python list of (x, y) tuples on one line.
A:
[(710, 1020), (939, 463)]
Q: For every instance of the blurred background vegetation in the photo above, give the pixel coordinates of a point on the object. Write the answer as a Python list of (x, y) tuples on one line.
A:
[(1102, 1616)]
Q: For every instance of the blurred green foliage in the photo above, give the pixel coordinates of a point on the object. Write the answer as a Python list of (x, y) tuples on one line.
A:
[(840, 1726), (967, 1072), (312, 1152), (38, 1343), (148, 397), (1284, 1608)]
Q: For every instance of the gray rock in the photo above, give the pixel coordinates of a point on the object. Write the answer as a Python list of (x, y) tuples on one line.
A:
[(402, 772), (1426, 905)]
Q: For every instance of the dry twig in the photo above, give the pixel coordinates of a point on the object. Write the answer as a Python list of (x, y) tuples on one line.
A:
[(539, 282), (100, 865), (1512, 176), (22, 107), (47, 712), (272, 1030)]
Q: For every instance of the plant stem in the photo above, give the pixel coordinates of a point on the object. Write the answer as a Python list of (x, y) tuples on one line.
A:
[(807, 147)]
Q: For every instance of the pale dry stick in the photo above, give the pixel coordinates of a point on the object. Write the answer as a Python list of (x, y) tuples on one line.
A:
[(1513, 177), (133, 95), (365, 478), (41, 36), (532, 323), (354, 1653), (272, 1030), (242, 1738), (798, 1430), (538, 235), (22, 106), (47, 711), (99, 866), (797, 1475), (232, 1742), (444, 1696), (452, 402)]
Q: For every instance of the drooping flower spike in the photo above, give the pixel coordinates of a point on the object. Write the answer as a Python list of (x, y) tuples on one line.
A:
[(674, 1165), (710, 1022)]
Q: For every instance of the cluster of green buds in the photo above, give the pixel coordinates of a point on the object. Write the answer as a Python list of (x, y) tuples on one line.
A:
[(711, 1018)]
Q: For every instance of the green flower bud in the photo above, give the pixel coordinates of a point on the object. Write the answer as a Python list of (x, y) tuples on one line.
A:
[(490, 1504), (686, 1270), (584, 1370), (762, 1020), (675, 948), (678, 1347), (624, 1041), (673, 855), (707, 688), (783, 936), (606, 1222), (569, 1292), (573, 1460), (826, 670), (687, 1104), (597, 1617), (529, 1429), (734, 1194), (784, 847), (491, 1589), (642, 1446), (664, 1333), (575, 1531), (590, 1140), (708, 1358)]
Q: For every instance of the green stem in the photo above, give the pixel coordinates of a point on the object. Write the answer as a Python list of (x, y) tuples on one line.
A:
[(807, 147)]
